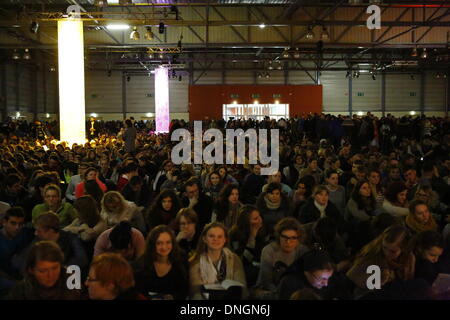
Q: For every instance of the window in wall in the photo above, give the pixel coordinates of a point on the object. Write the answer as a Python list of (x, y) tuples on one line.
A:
[(255, 111)]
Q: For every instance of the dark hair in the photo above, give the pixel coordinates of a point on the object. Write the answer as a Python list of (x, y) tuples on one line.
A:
[(136, 180), (130, 168), (222, 204), (325, 230), (273, 186), (309, 183), (191, 181), (288, 223), (415, 203), (426, 240), (329, 172), (188, 213), (128, 123), (47, 221), (87, 210), (150, 254), (317, 260), (393, 190), (153, 214), (92, 188), (43, 251), (369, 204), (121, 235), (14, 212), (87, 172), (12, 179)]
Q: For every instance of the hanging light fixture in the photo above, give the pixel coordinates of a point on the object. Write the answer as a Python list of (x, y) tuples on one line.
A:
[(325, 35), (310, 34), (270, 67), (414, 52), (285, 53), (279, 67), (15, 55), (424, 54), (149, 34), (161, 55), (297, 53), (267, 75), (27, 55), (134, 35)]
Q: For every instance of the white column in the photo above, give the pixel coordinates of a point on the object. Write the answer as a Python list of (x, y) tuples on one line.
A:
[(162, 99), (71, 81)]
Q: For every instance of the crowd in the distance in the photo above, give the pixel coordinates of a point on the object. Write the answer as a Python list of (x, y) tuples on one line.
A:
[(350, 193)]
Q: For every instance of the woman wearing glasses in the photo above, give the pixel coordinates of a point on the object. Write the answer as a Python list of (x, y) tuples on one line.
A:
[(277, 256), (213, 263), (111, 278)]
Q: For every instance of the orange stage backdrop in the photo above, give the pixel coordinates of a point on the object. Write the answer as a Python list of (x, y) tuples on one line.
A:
[(208, 100)]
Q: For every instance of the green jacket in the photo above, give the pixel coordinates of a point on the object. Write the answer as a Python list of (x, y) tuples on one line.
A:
[(66, 213)]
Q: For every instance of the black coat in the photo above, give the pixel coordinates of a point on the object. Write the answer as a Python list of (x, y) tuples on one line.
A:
[(203, 208), (309, 213)]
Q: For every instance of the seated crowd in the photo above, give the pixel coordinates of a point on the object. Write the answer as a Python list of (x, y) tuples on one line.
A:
[(140, 227)]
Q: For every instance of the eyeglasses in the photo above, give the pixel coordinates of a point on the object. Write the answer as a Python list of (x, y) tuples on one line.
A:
[(286, 238), (91, 280)]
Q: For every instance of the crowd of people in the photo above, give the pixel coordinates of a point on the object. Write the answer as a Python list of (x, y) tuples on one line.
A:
[(351, 194)]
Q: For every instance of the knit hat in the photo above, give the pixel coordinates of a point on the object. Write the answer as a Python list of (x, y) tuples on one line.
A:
[(316, 260)]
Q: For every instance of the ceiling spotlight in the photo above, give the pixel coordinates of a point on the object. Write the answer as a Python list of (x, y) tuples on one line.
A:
[(150, 56), (325, 35), (297, 53), (310, 34), (101, 3), (262, 25), (414, 52), (285, 53), (134, 35), (259, 75), (267, 75), (161, 55), (445, 76), (149, 34), (27, 55), (15, 55), (52, 69), (424, 54), (34, 27), (161, 27), (279, 67)]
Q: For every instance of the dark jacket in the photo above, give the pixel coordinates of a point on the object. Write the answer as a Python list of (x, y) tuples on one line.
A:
[(203, 208), (272, 216), (309, 213), (251, 188)]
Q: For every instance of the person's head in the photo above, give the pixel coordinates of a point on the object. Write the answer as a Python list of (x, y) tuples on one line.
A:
[(392, 245), (360, 173), (13, 221), (92, 189), (273, 192), (394, 173), (187, 221), (166, 200), (363, 189), (257, 169), (424, 193), (128, 123), (136, 183), (90, 174), (332, 177), (82, 167), (87, 210), (288, 234), (104, 164), (374, 177), (396, 193), (298, 160), (229, 195), (223, 171), (321, 195), (44, 263), (214, 237), (214, 178), (313, 164), (52, 196), (410, 174), (276, 177), (420, 211), (121, 237), (167, 165), (305, 185), (13, 183), (131, 169), (428, 245), (47, 226), (192, 188), (113, 202), (109, 275), (318, 268), (161, 244), (248, 217)]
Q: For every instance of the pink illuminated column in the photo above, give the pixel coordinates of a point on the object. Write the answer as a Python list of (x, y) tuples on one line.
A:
[(162, 99)]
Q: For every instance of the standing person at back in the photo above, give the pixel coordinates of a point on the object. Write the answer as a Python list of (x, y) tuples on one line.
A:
[(129, 136)]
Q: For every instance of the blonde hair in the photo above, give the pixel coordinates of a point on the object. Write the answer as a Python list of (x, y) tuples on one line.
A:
[(113, 197)]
